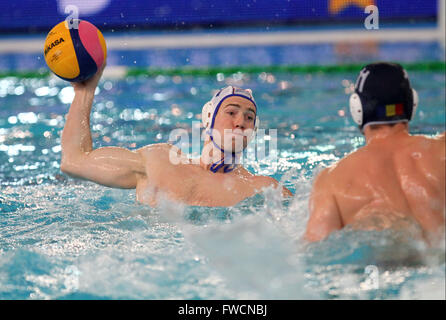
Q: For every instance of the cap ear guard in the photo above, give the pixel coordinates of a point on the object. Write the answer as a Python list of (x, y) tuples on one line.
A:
[(356, 109), (206, 115), (415, 100)]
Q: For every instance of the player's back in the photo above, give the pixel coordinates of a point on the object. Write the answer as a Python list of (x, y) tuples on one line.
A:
[(390, 180)]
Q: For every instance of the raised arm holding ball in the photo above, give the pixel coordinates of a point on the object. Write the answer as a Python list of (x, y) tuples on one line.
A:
[(215, 181)]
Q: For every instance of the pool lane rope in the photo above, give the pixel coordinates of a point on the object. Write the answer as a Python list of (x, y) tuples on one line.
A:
[(123, 72)]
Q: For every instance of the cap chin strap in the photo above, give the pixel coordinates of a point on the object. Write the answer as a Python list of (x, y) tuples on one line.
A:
[(357, 112), (222, 163), (232, 159)]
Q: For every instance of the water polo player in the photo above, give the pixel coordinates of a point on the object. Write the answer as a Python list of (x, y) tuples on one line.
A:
[(217, 180), (396, 180)]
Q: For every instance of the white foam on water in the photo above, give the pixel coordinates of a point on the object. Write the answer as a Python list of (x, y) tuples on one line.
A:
[(253, 255), (256, 254), (99, 243)]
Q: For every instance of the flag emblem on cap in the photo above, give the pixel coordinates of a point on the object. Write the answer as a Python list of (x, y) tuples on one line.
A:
[(394, 109)]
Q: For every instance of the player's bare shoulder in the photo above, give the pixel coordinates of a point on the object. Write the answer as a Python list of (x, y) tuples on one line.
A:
[(263, 182), (429, 146), (436, 150), (156, 147), (326, 177), (258, 182), (160, 152), (440, 142), (162, 156), (346, 165)]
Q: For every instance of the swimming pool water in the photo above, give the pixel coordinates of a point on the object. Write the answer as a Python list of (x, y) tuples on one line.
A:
[(64, 238)]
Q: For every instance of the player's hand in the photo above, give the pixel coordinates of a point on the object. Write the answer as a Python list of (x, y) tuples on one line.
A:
[(89, 84)]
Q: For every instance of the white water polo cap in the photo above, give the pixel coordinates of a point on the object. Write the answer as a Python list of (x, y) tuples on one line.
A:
[(210, 110)]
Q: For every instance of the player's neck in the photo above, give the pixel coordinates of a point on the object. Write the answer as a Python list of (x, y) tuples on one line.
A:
[(212, 156), (377, 133)]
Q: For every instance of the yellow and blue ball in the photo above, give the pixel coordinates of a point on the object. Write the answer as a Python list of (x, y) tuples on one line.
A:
[(75, 52)]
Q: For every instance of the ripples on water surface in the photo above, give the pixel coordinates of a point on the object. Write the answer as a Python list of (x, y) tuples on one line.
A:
[(62, 238)]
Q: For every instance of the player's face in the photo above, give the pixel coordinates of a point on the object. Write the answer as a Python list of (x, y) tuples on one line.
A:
[(235, 121)]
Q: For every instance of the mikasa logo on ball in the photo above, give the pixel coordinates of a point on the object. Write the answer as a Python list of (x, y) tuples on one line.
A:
[(52, 45)]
